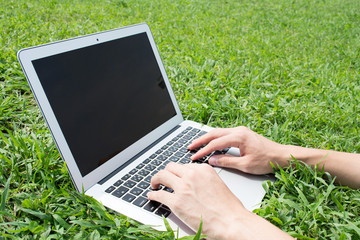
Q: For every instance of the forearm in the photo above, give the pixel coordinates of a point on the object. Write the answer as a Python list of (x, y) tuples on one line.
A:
[(250, 226), (345, 166)]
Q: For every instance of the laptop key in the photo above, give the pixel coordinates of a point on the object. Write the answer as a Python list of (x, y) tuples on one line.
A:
[(192, 133), (132, 172), (172, 149), (166, 163), (136, 191), (110, 189), (143, 172), (140, 201), (166, 207), (185, 160), (128, 197), (187, 137), (118, 183), (179, 154), (120, 191), (146, 161), (183, 141), (163, 212), (180, 135), (201, 133), (161, 167), (167, 153), (151, 206), (161, 157), (129, 184), (156, 162), (141, 165), (126, 177), (174, 159), (148, 179), (150, 167), (143, 185), (145, 193), (225, 150), (183, 150), (217, 152), (137, 178), (168, 189), (178, 145)]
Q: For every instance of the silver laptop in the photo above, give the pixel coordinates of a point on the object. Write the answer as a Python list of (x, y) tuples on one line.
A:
[(109, 105)]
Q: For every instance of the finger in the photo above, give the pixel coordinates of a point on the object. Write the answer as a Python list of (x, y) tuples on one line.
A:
[(162, 197), (216, 133), (166, 178), (177, 169), (216, 144), (243, 164), (226, 161)]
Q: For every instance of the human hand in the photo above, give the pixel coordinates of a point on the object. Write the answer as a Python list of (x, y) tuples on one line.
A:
[(256, 151), (199, 193)]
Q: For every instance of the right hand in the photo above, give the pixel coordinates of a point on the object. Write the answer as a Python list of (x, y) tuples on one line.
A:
[(256, 151), (199, 193)]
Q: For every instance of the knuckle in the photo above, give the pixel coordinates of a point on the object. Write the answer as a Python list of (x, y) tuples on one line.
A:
[(158, 176), (207, 167), (246, 168), (191, 174), (216, 130), (177, 205), (212, 145), (160, 173), (224, 161), (169, 166), (242, 129)]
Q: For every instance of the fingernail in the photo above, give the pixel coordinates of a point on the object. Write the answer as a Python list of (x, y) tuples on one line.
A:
[(213, 160)]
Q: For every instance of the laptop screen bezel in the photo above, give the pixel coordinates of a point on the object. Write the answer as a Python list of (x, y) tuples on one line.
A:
[(26, 56)]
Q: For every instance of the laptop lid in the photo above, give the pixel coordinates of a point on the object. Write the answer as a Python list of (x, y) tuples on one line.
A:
[(104, 96)]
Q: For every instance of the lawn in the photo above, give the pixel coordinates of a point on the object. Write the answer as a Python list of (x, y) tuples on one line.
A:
[(289, 70)]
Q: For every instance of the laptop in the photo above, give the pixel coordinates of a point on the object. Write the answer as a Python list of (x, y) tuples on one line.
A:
[(114, 117)]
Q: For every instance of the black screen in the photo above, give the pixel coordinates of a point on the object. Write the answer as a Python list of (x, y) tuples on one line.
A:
[(105, 97)]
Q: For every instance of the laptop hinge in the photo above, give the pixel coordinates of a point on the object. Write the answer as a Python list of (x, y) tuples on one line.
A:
[(137, 156)]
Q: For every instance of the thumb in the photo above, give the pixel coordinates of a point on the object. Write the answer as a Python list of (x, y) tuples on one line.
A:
[(227, 161)]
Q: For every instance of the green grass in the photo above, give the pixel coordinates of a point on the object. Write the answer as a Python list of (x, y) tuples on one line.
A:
[(287, 69)]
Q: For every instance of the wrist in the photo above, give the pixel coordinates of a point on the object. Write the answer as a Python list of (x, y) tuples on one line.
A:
[(281, 154), (249, 226), (235, 227), (310, 156)]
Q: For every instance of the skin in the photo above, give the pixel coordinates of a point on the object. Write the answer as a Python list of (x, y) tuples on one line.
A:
[(256, 153), (199, 193)]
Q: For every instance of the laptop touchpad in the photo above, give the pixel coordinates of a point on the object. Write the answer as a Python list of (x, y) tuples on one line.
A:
[(248, 188)]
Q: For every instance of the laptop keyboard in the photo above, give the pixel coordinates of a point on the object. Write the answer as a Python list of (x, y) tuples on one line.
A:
[(134, 186)]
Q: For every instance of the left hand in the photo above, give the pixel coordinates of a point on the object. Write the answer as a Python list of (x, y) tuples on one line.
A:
[(256, 151)]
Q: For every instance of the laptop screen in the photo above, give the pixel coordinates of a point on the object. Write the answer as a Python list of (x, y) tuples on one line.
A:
[(105, 97)]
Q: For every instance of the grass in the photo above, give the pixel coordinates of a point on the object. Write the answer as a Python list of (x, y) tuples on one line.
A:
[(287, 69)]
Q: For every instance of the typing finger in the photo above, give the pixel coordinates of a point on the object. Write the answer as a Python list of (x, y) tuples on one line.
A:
[(166, 178), (177, 169), (205, 139), (216, 144), (162, 197)]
